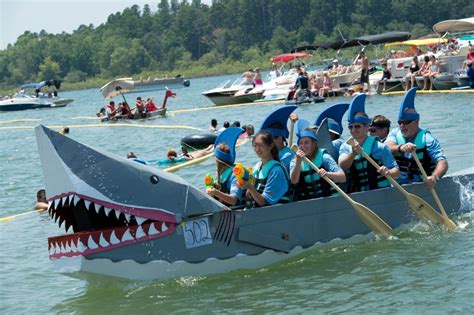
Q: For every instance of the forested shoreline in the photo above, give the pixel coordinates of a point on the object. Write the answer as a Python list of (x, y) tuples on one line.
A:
[(194, 39)]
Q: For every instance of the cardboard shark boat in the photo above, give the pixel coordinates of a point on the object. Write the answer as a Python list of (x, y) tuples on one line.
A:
[(132, 221)]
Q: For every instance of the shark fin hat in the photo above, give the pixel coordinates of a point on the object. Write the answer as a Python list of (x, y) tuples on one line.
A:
[(407, 107), (302, 130), (229, 137), (334, 115), (278, 117), (358, 106)]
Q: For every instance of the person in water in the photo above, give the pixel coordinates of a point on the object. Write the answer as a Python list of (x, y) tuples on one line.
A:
[(41, 201), (213, 126), (309, 183), (410, 139), (226, 189), (271, 178), (363, 176), (64, 131)]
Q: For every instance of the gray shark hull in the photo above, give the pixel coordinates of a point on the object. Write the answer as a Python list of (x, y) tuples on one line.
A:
[(183, 232)]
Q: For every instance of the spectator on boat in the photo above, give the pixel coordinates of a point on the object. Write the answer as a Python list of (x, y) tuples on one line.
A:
[(248, 77), (301, 85), (327, 85), (309, 183), (387, 75), (408, 139), (275, 72), (431, 73), (257, 79), (412, 73), (41, 201), (363, 176), (380, 127), (363, 62), (469, 57), (271, 178), (150, 105), (110, 110), (425, 68), (470, 73), (314, 85), (213, 126), (336, 67)]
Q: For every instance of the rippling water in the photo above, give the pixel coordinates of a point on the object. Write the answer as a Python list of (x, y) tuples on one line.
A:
[(424, 270)]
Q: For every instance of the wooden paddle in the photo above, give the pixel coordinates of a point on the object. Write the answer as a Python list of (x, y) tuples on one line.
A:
[(450, 225), (418, 205), (292, 131), (372, 220)]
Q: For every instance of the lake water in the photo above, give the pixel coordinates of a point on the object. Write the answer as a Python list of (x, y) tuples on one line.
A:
[(426, 270)]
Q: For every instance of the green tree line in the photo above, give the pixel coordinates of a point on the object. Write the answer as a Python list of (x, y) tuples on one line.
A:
[(192, 38)]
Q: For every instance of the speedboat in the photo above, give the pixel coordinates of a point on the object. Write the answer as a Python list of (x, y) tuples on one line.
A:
[(23, 100), (222, 95)]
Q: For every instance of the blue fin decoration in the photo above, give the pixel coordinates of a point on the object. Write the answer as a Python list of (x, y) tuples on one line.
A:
[(301, 130), (408, 103), (334, 114), (278, 116), (357, 106), (229, 136)]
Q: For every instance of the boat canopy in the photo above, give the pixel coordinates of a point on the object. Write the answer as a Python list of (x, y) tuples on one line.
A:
[(462, 25), (420, 42), (388, 37), (55, 83), (117, 87), (290, 57)]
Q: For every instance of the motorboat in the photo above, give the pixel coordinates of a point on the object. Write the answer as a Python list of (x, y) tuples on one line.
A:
[(23, 100), (222, 95)]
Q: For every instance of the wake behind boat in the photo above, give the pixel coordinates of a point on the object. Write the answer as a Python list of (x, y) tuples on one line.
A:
[(137, 222)]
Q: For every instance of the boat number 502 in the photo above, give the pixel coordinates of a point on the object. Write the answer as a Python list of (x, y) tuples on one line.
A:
[(197, 233)]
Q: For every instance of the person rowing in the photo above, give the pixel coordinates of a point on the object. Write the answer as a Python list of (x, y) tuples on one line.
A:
[(362, 175), (408, 139)]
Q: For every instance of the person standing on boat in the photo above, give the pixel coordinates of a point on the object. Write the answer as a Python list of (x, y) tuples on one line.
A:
[(257, 78), (362, 175), (363, 62), (309, 183), (248, 77), (271, 178), (409, 138), (226, 189), (276, 123), (380, 127)]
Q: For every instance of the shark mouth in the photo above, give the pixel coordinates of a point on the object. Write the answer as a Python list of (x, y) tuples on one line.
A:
[(99, 226)]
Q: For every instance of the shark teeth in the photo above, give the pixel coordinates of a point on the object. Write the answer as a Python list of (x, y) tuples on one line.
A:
[(102, 241), (91, 244)]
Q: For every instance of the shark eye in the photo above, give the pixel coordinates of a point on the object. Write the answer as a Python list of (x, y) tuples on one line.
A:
[(154, 179)]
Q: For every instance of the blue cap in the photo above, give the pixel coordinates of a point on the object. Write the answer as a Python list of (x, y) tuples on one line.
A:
[(229, 136), (408, 103), (301, 131), (334, 114), (278, 116), (358, 106)]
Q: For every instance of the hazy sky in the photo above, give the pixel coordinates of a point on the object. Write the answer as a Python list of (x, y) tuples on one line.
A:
[(56, 16)]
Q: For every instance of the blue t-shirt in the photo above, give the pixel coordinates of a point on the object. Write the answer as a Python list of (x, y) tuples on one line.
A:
[(234, 188), (328, 163), (276, 186), (286, 155), (337, 144), (380, 151), (432, 146)]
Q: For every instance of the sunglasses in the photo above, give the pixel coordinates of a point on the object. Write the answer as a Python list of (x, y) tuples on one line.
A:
[(404, 122), (355, 127)]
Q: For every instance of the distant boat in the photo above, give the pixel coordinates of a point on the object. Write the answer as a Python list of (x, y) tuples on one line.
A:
[(24, 100), (158, 84)]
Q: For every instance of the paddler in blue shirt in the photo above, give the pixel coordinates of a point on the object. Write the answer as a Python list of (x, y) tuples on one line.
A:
[(226, 189), (271, 178), (309, 183), (362, 175), (410, 138), (276, 124)]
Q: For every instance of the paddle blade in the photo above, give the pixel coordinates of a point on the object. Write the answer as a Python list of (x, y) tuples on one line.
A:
[(423, 209), (372, 220)]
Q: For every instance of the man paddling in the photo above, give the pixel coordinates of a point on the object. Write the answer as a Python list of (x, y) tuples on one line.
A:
[(410, 138), (363, 176)]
